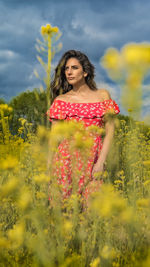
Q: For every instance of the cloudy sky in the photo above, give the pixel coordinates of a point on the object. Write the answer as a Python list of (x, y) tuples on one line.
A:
[(86, 25)]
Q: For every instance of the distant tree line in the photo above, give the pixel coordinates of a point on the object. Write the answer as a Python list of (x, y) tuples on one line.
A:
[(32, 106)]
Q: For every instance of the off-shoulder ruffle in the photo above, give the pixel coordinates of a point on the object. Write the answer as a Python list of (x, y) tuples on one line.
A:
[(57, 111), (60, 109)]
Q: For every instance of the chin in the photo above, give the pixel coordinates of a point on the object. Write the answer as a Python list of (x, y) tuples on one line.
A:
[(72, 82)]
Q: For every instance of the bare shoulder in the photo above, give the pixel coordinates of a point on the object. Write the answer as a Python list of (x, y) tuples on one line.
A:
[(64, 97), (61, 97), (104, 94)]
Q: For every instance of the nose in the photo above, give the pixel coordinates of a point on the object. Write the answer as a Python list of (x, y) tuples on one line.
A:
[(69, 71)]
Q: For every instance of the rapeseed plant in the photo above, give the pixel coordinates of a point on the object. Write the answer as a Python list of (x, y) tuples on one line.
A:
[(50, 36), (113, 229), (129, 67)]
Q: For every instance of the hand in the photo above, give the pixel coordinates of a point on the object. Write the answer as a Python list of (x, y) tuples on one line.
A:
[(98, 170)]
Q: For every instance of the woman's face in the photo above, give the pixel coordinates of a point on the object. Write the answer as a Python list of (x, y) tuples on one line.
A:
[(74, 72)]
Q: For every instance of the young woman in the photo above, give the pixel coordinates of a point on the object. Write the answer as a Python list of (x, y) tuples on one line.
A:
[(77, 98)]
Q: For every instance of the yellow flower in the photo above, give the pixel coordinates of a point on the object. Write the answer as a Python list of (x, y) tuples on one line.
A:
[(9, 163), (25, 199), (67, 226), (143, 202), (55, 29), (131, 53), (41, 178), (127, 215), (88, 143), (43, 134), (4, 107), (43, 30), (114, 204), (115, 264), (9, 187), (78, 140), (4, 243), (16, 235), (131, 63), (146, 163), (10, 109), (136, 54), (40, 195), (95, 262), (23, 121), (111, 59), (108, 252), (48, 29), (95, 130)]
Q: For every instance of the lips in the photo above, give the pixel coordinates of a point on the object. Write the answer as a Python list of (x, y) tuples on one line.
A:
[(70, 78)]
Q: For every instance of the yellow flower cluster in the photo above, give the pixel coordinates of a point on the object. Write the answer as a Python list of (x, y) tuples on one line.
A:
[(136, 54), (5, 107), (114, 204), (48, 29), (129, 66), (22, 121), (132, 63), (37, 227), (112, 60), (131, 55), (95, 262), (16, 235), (9, 163), (8, 188)]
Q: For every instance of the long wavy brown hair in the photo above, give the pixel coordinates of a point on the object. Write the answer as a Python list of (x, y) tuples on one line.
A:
[(60, 85)]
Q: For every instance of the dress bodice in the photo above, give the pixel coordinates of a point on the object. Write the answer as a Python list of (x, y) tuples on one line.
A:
[(72, 163), (88, 113)]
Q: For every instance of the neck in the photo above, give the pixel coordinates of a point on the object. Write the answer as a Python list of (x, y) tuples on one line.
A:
[(81, 88)]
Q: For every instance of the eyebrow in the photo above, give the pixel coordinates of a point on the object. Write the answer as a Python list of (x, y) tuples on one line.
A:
[(73, 66)]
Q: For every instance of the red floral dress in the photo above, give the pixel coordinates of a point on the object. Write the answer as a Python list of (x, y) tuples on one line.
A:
[(69, 165)]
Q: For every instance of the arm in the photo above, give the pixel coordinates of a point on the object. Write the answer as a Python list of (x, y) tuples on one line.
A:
[(109, 128), (109, 133)]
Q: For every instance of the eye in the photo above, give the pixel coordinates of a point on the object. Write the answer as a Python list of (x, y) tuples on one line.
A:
[(66, 68), (75, 67)]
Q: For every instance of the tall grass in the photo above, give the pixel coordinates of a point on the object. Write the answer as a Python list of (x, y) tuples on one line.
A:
[(112, 227), (112, 230)]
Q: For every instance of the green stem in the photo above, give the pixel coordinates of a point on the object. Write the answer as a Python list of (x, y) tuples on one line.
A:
[(48, 80), (49, 70)]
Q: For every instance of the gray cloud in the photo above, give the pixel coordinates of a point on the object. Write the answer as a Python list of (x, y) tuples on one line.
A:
[(89, 26)]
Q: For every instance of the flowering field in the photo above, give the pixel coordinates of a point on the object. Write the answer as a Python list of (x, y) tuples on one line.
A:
[(113, 229)]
